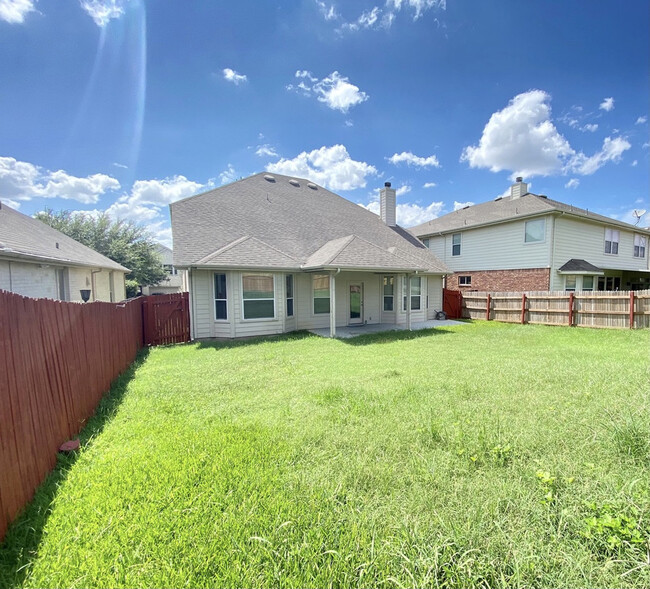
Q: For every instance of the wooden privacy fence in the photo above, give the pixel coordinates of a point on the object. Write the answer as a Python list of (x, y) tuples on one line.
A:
[(166, 319), (582, 309), (57, 359)]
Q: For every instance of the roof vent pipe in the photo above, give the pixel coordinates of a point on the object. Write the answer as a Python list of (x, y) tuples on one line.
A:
[(387, 205), (519, 188)]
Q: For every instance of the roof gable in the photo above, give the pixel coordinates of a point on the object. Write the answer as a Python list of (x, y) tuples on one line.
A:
[(248, 251)]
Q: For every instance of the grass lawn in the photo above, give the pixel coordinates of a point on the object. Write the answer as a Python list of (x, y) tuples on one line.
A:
[(479, 455)]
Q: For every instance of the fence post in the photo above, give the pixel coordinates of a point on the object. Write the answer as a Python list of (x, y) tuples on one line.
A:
[(631, 309), (523, 308), (487, 307), (571, 297)]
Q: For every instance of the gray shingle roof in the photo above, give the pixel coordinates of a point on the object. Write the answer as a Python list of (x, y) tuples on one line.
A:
[(30, 239), (507, 209), (576, 265), (297, 225)]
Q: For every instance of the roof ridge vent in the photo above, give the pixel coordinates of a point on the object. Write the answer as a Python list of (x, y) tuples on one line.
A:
[(294, 182), (467, 207), (269, 178), (312, 186)]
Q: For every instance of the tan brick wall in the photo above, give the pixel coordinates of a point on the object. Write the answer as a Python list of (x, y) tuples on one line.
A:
[(503, 280)]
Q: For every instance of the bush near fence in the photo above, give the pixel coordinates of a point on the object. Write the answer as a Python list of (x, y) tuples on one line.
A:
[(57, 359), (600, 309)]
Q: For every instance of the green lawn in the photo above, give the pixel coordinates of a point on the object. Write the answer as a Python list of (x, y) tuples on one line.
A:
[(479, 455)]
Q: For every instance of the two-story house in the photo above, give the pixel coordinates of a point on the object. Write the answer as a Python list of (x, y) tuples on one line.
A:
[(528, 242)]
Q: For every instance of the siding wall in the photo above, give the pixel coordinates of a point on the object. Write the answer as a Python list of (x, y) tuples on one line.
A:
[(497, 247)]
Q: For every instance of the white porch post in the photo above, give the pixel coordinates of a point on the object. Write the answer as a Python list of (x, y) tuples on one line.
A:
[(332, 304), (408, 302)]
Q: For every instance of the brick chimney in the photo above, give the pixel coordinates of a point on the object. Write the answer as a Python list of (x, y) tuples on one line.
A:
[(387, 205), (519, 188)]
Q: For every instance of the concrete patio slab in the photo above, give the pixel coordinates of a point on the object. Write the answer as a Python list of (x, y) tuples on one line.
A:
[(348, 331)]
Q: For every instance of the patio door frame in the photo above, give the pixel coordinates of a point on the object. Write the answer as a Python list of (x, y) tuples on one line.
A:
[(355, 320)]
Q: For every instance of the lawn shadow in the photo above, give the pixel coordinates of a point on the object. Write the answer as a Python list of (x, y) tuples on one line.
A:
[(221, 343), (388, 337), (21, 543)]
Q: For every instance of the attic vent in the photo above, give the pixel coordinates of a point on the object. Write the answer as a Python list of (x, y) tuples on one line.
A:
[(294, 183), (542, 196), (312, 186), (498, 198), (57, 245), (269, 178), (467, 207)]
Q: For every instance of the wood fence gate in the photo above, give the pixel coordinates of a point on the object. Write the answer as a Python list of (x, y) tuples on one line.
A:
[(166, 319), (452, 303)]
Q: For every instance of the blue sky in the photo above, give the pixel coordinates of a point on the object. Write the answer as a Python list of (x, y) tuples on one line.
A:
[(128, 105)]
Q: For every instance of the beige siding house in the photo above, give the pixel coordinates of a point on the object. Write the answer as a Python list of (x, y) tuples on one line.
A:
[(526, 242), (41, 262), (272, 254), (173, 282)]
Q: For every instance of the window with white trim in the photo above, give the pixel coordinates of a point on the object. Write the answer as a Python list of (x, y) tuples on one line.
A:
[(611, 241), (455, 244), (389, 293), (535, 231), (289, 294), (258, 296), (464, 281), (416, 291), (220, 298), (570, 282), (321, 291), (588, 283), (639, 246)]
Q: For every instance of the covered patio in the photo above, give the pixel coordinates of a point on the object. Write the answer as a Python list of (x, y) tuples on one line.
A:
[(357, 330)]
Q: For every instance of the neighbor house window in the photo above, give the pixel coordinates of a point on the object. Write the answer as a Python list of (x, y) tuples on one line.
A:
[(389, 293), (289, 295), (416, 289), (425, 241), (321, 288), (535, 230), (611, 241), (639, 246), (455, 244), (220, 298), (258, 296), (464, 281), (570, 282), (587, 283)]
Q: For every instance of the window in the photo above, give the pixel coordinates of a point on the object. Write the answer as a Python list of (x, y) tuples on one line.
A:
[(464, 281), (60, 282), (455, 244), (389, 293), (416, 288), (258, 296), (570, 282), (611, 241), (321, 287), (639, 246), (609, 282), (289, 295), (535, 231), (220, 298), (425, 241), (587, 283)]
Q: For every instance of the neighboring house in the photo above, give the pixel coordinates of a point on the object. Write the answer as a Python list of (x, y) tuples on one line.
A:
[(528, 242), (39, 261), (271, 254), (173, 283)]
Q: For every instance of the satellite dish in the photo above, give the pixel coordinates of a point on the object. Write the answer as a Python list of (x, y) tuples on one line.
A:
[(638, 213)]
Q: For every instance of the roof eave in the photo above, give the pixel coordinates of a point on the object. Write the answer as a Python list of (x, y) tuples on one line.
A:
[(38, 258)]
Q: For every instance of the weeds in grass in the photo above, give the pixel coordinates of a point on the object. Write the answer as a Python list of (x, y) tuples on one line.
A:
[(612, 529), (631, 435)]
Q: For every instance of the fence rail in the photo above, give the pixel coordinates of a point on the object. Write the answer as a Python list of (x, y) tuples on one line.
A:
[(600, 309), (57, 359)]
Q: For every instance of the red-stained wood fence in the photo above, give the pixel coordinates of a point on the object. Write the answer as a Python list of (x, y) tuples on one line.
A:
[(166, 319), (57, 360)]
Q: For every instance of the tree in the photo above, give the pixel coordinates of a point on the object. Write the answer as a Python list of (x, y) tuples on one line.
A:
[(124, 242)]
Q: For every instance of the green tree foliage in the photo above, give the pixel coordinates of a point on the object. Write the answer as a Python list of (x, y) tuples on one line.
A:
[(124, 242)]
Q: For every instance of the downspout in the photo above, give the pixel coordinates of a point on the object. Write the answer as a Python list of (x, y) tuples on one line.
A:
[(192, 313), (408, 302), (333, 276)]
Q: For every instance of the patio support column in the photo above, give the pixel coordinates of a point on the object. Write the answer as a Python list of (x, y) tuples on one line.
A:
[(408, 302), (333, 304)]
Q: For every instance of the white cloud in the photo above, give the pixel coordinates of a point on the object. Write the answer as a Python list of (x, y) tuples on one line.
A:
[(335, 90), (521, 138), (591, 127), (331, 167), (117, 165), (103, 11), (234, 77), (14, 11), (635, 163), (607, 104), (228, 175), (641, 120), (429, 185), (419, 7), (24, 181), (462, 205), (611, 151), (266, 150), (14, 204), (409, 214), (414, 160), (377, 18), (148, 197), (573, 183), (328, 11), (402, 190)]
